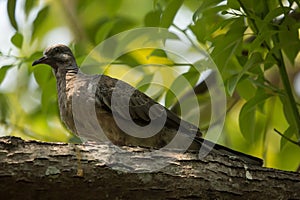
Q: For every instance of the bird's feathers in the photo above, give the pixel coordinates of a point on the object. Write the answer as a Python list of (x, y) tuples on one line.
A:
[(80, 95), (142, 108)]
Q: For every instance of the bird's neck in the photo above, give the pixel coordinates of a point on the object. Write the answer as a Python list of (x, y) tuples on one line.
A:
[(62, 72), (65, 79), (64, 76), (62, 68)]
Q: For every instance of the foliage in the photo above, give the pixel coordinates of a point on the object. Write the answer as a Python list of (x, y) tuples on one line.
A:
[(254, 44)]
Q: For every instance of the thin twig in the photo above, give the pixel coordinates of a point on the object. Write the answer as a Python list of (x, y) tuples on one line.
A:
[(288, 139)]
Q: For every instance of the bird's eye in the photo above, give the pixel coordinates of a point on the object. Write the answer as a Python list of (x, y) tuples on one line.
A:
[(55, 51)]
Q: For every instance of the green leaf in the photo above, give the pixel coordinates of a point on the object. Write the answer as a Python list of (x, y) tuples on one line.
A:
[(170, 99), (234, 4), (104, 31), (253, 61), (169, 13), (269, 61), (145, 83), (158, 53), (49, 97), (129, 60), (245, 89), (11, 9), (232, 82), (272, 4), (29, 60), (259, 8), (181, 86), (289, 38), (275, 13), (36, 55), (152, 19), (3, 71), (205, 6), (262, 37), (199, 28), (17, 40), (42, 75), (192, 76), (289, 132), (228, 44), (29, 5), (288, 112), (247, 116), (225, 48), (4, 108), (39, 19)]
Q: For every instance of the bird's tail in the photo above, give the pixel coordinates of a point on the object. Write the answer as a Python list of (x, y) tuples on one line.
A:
[(207, 145)]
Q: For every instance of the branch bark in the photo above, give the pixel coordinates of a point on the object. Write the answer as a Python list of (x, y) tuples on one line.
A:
[(39, 170)]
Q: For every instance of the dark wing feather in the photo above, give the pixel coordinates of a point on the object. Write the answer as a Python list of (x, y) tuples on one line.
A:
[(139, 104)]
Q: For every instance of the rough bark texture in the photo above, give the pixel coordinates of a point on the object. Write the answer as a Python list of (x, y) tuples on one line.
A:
[(38, 170)]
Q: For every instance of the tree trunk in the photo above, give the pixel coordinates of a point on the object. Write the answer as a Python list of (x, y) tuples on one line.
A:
[(39, 170)]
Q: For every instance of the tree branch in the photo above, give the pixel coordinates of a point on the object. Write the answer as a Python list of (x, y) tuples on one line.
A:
[(35, 170)]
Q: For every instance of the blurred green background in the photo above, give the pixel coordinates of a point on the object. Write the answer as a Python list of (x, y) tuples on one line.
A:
[(255, 45)]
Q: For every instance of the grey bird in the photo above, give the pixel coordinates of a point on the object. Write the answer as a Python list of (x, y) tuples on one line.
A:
[(101, 108)]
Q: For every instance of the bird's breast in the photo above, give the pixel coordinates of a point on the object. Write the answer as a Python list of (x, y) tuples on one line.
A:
[(79, 114)]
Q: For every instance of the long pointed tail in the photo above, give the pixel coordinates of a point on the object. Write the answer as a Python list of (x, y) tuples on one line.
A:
[(219, 149)]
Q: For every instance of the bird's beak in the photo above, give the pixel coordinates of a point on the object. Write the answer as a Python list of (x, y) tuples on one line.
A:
[(42, 60)]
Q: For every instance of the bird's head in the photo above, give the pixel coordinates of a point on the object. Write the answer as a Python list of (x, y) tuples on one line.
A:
[(58, 56)]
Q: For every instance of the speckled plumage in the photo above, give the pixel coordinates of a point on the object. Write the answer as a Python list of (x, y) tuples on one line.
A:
[(87, 107)]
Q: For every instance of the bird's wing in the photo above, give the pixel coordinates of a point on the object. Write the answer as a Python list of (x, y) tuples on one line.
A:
[(139, 106), (117, 95)]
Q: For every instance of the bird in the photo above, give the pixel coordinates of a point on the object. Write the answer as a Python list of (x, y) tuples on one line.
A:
[(101, 108)]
